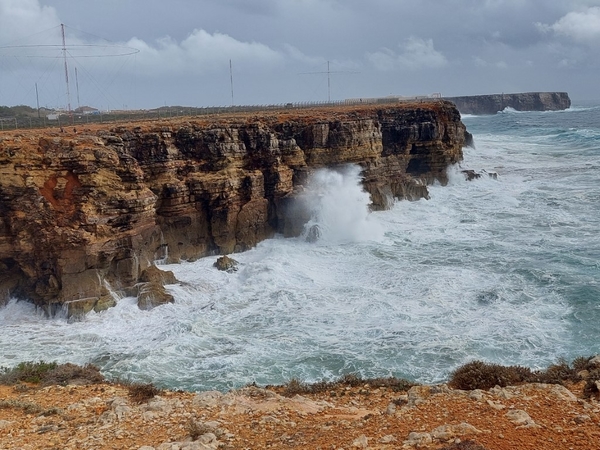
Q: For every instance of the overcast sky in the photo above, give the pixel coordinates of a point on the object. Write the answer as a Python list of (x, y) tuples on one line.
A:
[(280, 49)]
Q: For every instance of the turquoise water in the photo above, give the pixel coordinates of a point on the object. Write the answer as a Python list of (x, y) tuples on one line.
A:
[(504, 269)]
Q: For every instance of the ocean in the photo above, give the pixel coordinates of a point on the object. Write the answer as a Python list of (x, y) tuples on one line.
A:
[(504, 268)]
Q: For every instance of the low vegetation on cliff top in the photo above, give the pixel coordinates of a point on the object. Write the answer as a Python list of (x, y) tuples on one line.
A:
[(481, 375), (473, 375), (51, 373)]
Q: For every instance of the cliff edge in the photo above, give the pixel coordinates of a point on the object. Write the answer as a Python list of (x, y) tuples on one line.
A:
[(528, 101), (84, 213)]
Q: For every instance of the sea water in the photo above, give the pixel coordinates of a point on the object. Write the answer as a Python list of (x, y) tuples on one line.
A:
[(504, 268)]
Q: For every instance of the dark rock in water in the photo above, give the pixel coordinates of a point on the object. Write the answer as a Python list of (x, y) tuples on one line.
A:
[(471, 174), (314, 233), (226, 264)]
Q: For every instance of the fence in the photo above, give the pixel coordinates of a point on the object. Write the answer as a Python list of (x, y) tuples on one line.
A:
[(75, 120)]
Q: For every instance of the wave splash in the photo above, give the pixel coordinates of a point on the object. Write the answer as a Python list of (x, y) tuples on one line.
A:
[(339, 207)]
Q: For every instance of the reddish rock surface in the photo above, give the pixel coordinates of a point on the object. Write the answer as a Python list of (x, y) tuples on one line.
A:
[(84, 214), (104, 417)]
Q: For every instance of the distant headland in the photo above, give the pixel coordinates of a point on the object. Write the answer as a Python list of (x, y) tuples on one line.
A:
[(527, 101)]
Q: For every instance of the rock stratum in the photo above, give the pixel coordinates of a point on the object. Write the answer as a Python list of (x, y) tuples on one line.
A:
[(528, 101), (85, 213)]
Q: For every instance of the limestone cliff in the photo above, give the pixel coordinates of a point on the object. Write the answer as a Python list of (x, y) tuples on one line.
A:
[(529, 101), (85, 213)]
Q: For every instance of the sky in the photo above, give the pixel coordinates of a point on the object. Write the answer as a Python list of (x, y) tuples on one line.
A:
[(132, 54)]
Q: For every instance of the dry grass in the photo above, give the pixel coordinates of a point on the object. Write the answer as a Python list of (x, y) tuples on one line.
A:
[(296, 387)]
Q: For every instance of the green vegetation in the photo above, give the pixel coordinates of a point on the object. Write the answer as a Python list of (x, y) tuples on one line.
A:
[(481, 375), (50, 373)]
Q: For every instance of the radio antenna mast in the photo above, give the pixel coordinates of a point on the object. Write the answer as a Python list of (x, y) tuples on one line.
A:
[(328, 72), (231, 80), (64, 49)]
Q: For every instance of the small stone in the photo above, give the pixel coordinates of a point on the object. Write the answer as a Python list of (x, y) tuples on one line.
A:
[(418, 439), (391, 409), (387, 439), (581, 418), (361, 442)]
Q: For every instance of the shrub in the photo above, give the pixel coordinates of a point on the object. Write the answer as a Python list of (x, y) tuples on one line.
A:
[(141, 393), (51, 373), (73, 374), (591, 386), (29, 371), (481, 375)]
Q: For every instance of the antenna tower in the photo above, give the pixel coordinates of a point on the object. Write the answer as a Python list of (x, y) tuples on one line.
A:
[(64, 50)]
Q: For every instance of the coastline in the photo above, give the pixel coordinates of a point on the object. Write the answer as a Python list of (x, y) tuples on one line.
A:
[(354, 413)]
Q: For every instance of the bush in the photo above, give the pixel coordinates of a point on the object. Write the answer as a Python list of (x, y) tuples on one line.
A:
[(481, 375), (73, 374), (141, 393), (591, 387), (51, 373), (29, 372)]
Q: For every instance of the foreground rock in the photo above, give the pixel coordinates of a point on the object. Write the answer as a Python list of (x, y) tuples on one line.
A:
[(102, 417), (83, 215)]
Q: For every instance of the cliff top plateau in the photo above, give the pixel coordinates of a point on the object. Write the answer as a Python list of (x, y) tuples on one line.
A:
[(377, 414)]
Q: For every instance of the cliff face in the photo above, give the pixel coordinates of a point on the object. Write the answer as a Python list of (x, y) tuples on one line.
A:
[(83, 214), (530, 101)]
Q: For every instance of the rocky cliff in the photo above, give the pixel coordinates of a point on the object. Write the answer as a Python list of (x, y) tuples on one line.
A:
[(529, 101), (84, 214)]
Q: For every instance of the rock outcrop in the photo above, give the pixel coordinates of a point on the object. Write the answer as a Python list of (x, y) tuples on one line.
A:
[(83, 215), (528, 101)]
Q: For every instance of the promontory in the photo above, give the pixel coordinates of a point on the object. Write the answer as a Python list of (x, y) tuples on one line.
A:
[(85, 212)]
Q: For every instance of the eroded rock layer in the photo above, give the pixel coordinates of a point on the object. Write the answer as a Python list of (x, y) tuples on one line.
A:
[(85, 212)]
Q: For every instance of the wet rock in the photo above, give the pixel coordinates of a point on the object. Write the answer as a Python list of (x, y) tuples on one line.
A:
[(227, 264), (151, 295)]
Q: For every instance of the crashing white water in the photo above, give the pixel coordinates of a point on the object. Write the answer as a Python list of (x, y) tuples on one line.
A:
[(502, 269)]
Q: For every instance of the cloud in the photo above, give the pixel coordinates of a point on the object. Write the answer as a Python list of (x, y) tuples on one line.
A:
[(19, 18), (201, 52), (581, 26), (416, 53)]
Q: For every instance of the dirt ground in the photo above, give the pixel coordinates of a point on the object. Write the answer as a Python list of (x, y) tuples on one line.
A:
[(532, 416)]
